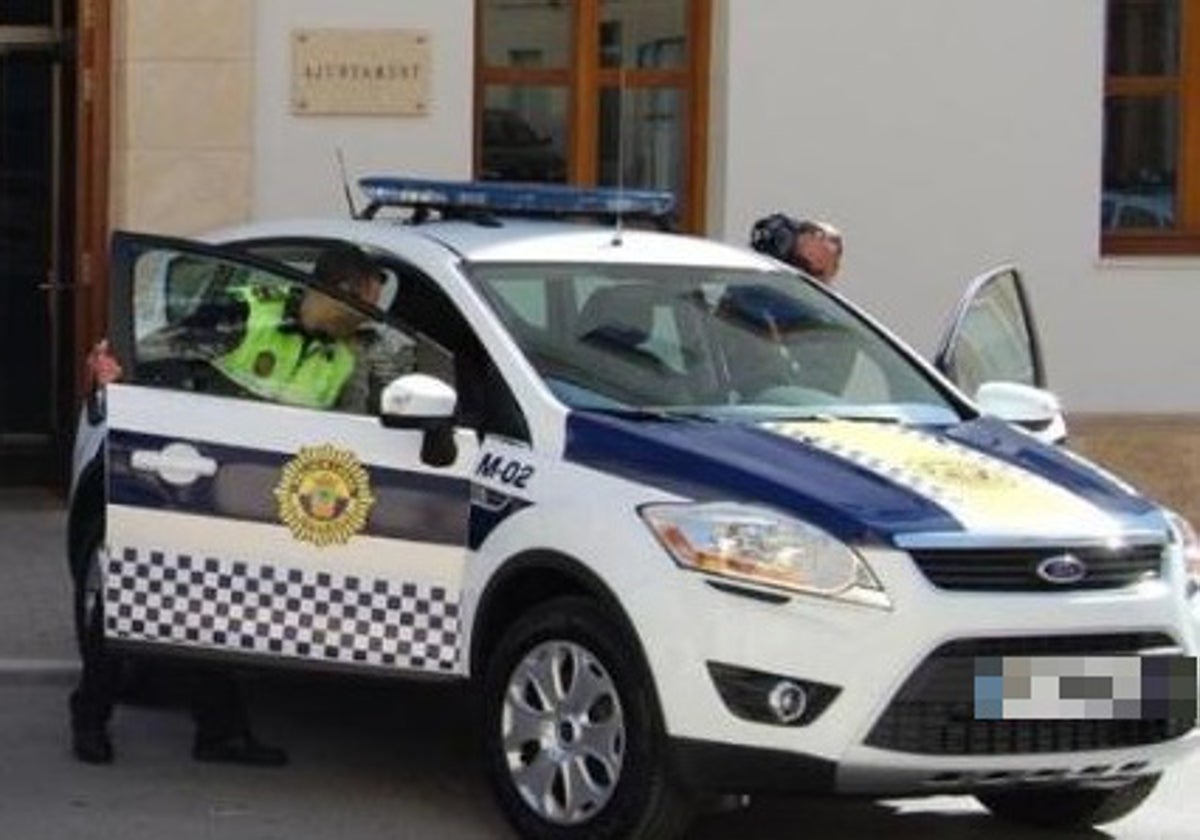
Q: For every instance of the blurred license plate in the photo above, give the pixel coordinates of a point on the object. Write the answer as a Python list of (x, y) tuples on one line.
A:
[(1085, 687)]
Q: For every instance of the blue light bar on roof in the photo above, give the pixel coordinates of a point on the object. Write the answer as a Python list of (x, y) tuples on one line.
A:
[(498, 198)]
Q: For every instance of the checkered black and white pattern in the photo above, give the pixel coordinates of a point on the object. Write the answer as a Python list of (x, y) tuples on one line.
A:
[(283, 612)]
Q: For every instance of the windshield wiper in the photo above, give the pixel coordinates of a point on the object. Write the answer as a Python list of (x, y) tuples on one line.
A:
[(692, 414), (866, 418), (828, 417), (661, 415)]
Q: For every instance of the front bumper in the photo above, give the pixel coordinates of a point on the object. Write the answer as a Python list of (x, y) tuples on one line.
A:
[(869, 655), (729, 768)]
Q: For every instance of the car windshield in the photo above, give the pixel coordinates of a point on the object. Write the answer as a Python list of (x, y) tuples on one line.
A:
[(721, 343)]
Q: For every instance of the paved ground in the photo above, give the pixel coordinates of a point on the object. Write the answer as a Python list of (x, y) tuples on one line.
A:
[(377, 762), (369, 760), (35, 605)]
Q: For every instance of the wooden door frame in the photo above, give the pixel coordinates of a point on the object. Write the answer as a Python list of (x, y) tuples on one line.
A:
[(92, 162)]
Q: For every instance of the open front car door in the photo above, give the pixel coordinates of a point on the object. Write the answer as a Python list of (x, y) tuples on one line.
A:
[(991, 351), (254, 514)]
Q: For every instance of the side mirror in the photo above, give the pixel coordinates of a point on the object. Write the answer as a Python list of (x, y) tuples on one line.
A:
[(1034, 410), (419, 401)]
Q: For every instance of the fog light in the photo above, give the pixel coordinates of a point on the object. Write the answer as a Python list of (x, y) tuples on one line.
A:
[(788, 701), (776, 699)]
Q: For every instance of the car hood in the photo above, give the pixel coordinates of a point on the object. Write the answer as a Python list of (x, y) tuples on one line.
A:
[(872, 482)]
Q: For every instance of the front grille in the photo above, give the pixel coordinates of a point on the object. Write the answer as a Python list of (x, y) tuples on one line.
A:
[(934, 712), (1016, 570)]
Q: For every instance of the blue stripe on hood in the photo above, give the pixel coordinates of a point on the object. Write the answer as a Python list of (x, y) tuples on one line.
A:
[(709, 461), (740, 462)]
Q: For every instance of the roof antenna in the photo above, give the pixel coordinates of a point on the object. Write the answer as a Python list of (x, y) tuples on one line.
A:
[(346, 184)]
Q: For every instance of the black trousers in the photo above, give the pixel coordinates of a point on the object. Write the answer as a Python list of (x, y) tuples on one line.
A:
[(210, 690)]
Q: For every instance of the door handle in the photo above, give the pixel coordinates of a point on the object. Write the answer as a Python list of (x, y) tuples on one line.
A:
[(176, 463), (53, 284)]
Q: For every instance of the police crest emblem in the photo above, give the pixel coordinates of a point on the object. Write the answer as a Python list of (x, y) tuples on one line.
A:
[(324, 495)]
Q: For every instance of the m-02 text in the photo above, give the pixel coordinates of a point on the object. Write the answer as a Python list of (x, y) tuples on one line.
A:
[(507, 470)]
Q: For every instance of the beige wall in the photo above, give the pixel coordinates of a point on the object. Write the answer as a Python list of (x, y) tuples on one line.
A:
[(1158, 454), (946, 137), (296, 172), (183, 144)]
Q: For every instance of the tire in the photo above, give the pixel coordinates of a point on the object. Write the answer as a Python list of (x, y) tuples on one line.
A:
[(88, 595), (591, 760), (1069, 807)]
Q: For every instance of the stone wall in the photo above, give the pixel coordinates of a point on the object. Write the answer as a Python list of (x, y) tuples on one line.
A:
[(183, 144)]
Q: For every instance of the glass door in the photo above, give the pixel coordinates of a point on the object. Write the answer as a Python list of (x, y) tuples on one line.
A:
[(31, 241)]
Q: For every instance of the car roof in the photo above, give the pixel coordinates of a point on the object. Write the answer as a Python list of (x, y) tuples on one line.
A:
[(515, 240)]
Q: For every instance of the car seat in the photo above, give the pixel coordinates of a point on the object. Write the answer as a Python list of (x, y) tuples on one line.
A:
[(613, 330), (619, 320)]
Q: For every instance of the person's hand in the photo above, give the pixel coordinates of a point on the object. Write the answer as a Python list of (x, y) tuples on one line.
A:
[(102, 365)]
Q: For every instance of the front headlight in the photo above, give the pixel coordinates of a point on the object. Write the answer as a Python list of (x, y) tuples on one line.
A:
[(760, 546), (1184, 535)]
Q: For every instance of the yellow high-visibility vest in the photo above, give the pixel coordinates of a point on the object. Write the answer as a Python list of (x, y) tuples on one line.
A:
[(283, 365)]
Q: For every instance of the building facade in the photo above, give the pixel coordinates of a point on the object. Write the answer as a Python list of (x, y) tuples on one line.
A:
[(943, 137)]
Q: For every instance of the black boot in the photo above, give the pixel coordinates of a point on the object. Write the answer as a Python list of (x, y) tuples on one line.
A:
[(92, 746), (91, 703), (223, 731), (243, 748), (89, 727)]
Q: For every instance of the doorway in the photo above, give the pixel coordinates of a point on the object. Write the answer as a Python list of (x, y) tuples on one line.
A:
[(36, 235)]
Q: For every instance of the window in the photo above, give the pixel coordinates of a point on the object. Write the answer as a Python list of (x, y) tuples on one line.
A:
[(720, 342), (993, 340), (1151, 179), (207, 324), (595, 92)]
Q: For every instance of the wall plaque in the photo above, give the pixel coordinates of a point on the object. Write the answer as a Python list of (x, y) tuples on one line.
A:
[(360, 71)]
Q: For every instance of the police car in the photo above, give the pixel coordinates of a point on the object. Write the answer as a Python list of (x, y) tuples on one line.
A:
[(690, 522)]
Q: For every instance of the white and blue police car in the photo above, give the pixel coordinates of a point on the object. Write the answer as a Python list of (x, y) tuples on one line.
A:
[(690, 522)]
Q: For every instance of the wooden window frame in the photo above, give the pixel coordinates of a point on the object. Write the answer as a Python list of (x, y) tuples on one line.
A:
[(583, 80), (1185, 84)]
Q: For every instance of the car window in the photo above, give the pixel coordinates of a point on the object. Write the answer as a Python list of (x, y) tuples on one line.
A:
[(737, 342), (664, 338), (302, 255), (456, 354), (526, 300), (207, 323), (994, 340)]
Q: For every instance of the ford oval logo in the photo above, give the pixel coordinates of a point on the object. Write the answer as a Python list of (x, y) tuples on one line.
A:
[(1062, 569)]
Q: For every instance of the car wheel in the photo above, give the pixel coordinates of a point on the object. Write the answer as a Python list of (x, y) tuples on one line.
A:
[(574, 745), (88, 581), (1069, 807)]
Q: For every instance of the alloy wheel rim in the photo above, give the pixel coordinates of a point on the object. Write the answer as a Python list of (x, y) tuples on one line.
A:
[(563, 732)]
